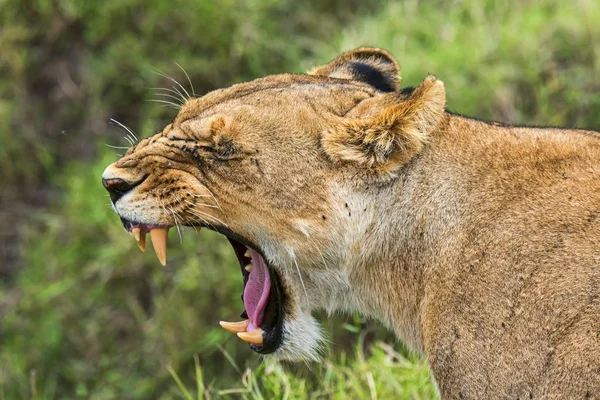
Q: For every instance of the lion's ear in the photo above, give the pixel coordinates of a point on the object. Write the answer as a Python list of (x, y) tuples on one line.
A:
[(386, 142), (373, 66)]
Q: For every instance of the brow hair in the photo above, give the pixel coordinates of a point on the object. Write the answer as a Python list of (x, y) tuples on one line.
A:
[(284, 81)]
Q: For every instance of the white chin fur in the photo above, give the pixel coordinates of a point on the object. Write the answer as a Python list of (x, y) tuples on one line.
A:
[(302, 340)]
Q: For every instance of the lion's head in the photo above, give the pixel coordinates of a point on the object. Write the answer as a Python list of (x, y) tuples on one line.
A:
[(279, 165)]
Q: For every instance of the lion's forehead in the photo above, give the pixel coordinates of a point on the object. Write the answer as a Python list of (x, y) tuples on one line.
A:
[(295, 102), (286, 90)]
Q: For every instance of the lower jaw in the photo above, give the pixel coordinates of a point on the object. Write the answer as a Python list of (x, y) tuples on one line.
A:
[(271, 322)]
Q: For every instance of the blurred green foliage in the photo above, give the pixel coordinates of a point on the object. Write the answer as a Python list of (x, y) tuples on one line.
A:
[(88, 316), (77, 63), (528, 62)]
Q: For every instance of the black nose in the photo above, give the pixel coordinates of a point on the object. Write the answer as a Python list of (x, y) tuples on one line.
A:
[(116, 187)]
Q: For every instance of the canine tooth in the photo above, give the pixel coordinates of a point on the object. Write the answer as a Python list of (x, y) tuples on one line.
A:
[(247, 253), (159, 242), (235, 327), (136, 234), (249, 267), (142, 243), (255, 337)]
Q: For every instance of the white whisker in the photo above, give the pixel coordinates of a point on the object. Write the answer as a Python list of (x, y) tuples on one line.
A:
[(318, 250), (213, 196), (208, 216), (199, 221), (198, 195), (188, 78), (177, 92), (200, 204), (116, 147), (206, 195), (174, 214), (169, 103), (130, 131), (202, 219), (164, 106), (129, 140), (299, 274), (164, 75), (174, 88), (170, 96)]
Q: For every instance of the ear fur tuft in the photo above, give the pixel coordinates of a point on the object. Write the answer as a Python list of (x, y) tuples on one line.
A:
[(386, 142)]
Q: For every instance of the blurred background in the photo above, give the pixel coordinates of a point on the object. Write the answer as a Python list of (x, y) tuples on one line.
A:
[(83, 313)]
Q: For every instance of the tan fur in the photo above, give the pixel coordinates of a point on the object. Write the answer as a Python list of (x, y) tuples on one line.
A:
[(477, 243), (392, 138)]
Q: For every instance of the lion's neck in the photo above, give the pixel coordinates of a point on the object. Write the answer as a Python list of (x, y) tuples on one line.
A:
[(397, 233), (407, 237)]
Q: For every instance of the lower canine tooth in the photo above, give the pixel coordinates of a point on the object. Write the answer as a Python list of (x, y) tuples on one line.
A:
[(235, 327), (248, 267), (255, 337), (142, 243), (159, 242)]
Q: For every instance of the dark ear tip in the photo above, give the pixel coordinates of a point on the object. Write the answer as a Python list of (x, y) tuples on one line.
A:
[(376, 77), (374, 66), (372, 53)]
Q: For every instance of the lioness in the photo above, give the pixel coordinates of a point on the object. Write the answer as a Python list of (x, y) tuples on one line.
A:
[(477, 243)]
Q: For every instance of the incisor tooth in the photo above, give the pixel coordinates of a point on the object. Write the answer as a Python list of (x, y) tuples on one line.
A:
[(159, 242), (249, 267), (136, 234), (235, 327), (142, 243), (247, 253), (255, 337)]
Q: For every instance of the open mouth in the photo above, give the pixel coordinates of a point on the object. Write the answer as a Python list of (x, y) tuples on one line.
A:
[(263, 296)]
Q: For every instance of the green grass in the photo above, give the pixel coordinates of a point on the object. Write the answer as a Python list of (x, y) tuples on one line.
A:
[(89, 316), (384, 374)]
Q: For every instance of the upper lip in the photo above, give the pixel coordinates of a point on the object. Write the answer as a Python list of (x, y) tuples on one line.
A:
[(271, 321)]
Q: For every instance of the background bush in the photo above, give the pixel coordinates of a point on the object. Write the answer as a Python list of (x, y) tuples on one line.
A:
[(84, 314)]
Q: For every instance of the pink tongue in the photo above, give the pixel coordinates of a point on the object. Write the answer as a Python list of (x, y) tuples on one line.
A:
[(256, 293)]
